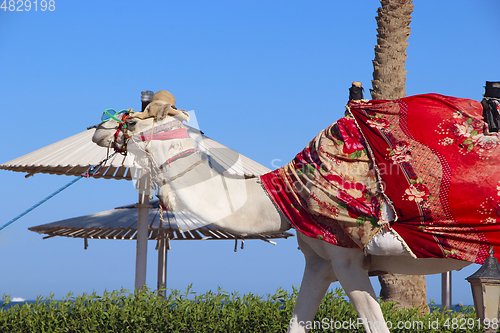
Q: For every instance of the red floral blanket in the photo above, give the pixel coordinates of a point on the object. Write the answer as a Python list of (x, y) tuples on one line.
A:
[(329, 190), (433, 161)]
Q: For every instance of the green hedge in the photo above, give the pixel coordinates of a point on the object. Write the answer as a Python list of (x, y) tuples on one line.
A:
[(143, 311)]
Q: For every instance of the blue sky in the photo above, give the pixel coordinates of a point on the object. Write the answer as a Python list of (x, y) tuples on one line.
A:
[(264, 77)]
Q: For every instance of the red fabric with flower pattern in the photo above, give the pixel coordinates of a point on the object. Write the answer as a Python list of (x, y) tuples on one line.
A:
[(441, 169)]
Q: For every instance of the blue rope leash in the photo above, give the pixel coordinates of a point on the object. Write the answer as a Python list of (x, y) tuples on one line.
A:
[(41, 202), (90, 172)]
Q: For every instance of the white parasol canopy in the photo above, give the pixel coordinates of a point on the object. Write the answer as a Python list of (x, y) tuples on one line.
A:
[(122, 223), (76, 154)]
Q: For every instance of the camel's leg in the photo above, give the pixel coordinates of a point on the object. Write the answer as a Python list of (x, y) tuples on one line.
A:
[(318, 275), (351, 269)]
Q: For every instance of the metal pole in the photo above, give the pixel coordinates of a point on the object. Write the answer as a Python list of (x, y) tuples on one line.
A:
[(162, 265), (143, 218), (446, 290), (142, 233)]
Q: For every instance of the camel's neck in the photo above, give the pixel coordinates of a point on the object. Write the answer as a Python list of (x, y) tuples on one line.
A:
[(194, 184)]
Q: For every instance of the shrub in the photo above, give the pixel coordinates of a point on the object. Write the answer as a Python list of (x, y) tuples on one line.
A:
[(144, 311)]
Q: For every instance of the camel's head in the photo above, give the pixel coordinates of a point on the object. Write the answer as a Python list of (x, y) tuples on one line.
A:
[(117, 128), (152, 137)]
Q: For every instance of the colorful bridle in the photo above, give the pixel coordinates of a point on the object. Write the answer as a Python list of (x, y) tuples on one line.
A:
[(109, 114), (121, 117)]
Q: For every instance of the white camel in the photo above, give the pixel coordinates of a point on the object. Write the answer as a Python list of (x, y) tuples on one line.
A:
[(187, 180)]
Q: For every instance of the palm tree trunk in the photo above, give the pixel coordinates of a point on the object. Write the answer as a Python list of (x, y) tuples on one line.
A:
[(389, 82), (389, 74)]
